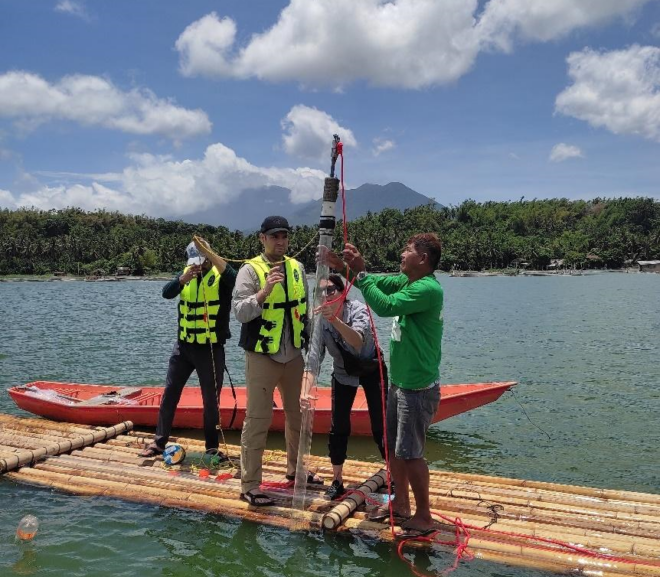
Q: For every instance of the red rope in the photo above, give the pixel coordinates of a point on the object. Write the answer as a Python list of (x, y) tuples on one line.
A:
[(461, 539), (576, 548), (362, 494), (340, 300), (277, 484)]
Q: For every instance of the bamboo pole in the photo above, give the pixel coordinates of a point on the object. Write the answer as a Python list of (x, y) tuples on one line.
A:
[(633, 526), (145, 477), (339, 513), (41, 423), (278, 516), (520, 561), (555, 509), (534, 498), (475, 490), (574, 489), (25, 457)]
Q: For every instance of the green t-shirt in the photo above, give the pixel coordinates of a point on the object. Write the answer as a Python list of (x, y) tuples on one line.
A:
[(416, 341)]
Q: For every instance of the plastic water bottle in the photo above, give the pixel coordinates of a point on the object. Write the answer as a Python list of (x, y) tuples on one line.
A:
[(27, 528), (382, 498)]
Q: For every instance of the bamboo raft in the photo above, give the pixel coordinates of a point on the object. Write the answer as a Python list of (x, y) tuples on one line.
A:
[(510, 521)]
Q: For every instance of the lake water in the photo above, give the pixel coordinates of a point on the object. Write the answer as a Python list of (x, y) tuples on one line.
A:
[(584, 349)]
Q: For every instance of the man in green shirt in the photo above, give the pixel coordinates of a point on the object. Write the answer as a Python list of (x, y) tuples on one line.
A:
[(414, 299)]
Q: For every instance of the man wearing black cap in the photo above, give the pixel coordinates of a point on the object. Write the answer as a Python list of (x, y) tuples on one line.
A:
[(270, 300), (204, 288)]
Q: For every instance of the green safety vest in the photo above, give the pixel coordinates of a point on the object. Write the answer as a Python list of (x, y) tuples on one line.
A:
[(199, 307), (264, 334)]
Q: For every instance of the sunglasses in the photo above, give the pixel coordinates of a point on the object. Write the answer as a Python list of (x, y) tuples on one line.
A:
[(330, 290)]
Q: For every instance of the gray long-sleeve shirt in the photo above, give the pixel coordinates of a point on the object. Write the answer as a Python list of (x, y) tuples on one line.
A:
[(246, 308), (356, 316)]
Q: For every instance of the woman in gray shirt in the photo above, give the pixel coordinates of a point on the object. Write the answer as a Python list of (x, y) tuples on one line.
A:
[(348, 338)]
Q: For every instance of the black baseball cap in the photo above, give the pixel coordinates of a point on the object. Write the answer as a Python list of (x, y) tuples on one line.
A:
[(273, 224)]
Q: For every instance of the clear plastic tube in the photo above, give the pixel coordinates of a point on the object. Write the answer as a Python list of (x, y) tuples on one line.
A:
[(313, 361)]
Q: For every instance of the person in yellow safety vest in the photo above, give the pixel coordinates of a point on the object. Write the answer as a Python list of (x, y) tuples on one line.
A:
[(270, 300), (204, 290)]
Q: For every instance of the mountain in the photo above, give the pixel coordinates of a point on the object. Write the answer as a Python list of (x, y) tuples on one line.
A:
[(248, 210), (253, 205), (364, 199)]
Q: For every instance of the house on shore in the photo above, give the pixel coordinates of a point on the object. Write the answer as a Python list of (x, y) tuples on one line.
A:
[(649, 265)]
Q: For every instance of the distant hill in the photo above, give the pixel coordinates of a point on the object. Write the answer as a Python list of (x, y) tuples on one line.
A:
[(253, 205), (364, 199), (248, 210)]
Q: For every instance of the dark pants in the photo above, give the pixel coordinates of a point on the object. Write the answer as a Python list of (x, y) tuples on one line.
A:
[(185, 359), (342, 403)]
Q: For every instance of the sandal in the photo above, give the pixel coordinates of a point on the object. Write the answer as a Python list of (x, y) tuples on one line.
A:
[(312, 478), (383, 514), (257, 499), (412, 533), (151, 452)]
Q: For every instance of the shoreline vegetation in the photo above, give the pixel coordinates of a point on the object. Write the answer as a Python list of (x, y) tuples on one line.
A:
[(460, 274), (479, 239)]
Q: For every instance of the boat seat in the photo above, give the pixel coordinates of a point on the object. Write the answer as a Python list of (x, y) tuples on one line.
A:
[(108, 398)]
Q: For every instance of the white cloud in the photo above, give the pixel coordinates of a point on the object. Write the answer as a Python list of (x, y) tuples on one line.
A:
[(617, 90), (92, 100), (562, 151), (504, 21), (6, 199), (163, 186), (382, 145), (394, 43), (404, 43), (205, 45), (308, 133), (73, 7)]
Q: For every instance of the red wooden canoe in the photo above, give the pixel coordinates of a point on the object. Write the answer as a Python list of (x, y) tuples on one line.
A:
[(108, 404)]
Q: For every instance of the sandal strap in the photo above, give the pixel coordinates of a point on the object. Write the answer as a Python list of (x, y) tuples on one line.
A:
[(252, 498)]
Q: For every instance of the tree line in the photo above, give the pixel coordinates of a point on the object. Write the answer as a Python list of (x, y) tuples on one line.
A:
[(475, 236)]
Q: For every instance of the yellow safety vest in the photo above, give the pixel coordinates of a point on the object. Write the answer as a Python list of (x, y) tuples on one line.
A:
[(264, 334), (199, 307)]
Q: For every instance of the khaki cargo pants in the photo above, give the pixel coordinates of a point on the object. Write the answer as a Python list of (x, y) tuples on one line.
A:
[(262, 375)]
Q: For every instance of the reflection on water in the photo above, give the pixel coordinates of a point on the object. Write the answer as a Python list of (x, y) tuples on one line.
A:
[(585, 351)]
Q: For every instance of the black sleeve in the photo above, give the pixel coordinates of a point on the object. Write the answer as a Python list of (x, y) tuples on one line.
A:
[(173, 288), (228, 277), (222, 324)]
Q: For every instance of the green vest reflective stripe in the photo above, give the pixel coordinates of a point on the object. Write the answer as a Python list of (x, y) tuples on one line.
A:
[(277, 305), (199, 306)]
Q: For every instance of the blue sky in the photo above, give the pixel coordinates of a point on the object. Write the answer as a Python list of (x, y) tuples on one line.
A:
[(168, 108)]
